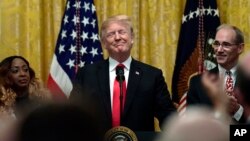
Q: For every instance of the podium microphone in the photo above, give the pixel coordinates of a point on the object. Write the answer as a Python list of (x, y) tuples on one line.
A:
[(120, 74), (120, 77)]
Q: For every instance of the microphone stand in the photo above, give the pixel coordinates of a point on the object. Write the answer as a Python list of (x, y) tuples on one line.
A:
[(120, 77), (121, 97)]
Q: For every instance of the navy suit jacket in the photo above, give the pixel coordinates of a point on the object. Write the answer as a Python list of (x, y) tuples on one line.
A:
[(147, 94)]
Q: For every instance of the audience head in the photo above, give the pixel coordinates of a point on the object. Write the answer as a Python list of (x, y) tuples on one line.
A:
[(228, 45), (117, 36), (197, 124), (59, 122)]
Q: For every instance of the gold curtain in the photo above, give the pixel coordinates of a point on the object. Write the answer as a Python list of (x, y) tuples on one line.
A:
[(30, 28)]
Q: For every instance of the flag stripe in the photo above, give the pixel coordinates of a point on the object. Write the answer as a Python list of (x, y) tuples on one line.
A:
[(182, 104), (184, 97), (55, 89), (58, 75)]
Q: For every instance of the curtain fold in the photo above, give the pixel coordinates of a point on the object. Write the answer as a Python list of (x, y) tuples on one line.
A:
[(30, 28)]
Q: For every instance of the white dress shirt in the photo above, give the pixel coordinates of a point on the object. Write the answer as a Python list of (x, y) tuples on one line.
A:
[(112, 74), (222, 72)]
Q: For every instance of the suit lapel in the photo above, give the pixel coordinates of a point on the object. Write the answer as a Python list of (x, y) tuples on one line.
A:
[(135, 75), (103, 79)]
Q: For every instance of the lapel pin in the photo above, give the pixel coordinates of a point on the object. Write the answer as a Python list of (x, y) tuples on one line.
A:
[(137, 73)]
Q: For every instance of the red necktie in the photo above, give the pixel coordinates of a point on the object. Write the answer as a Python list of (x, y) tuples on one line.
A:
[(116, 101), (229, 81)]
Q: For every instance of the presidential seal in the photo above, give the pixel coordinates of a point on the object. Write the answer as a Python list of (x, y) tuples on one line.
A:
[(120, 133)]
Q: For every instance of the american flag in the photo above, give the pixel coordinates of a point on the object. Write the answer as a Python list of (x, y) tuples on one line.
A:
[(199, 22), (78, 44)]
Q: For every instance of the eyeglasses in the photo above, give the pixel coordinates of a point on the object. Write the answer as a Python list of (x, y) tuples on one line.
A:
[(217, 44)]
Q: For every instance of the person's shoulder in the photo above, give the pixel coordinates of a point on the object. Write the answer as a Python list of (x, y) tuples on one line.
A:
[(195, 76), (95, 65), (145, 66), (98, 63), (214, 70)]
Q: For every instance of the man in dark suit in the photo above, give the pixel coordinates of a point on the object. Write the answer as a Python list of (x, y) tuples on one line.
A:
[(146, 95), (228, 45)]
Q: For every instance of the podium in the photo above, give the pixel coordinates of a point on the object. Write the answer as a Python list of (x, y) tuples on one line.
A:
[(146, 135), (122, 133)]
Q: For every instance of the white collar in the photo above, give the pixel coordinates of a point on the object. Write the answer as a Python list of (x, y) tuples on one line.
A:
[(223, 70), (113, 63)]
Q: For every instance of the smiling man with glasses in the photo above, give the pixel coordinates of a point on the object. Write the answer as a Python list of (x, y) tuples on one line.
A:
[(228, 45)]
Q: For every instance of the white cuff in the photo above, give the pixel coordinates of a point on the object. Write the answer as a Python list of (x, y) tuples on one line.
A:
[(238, 114)]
